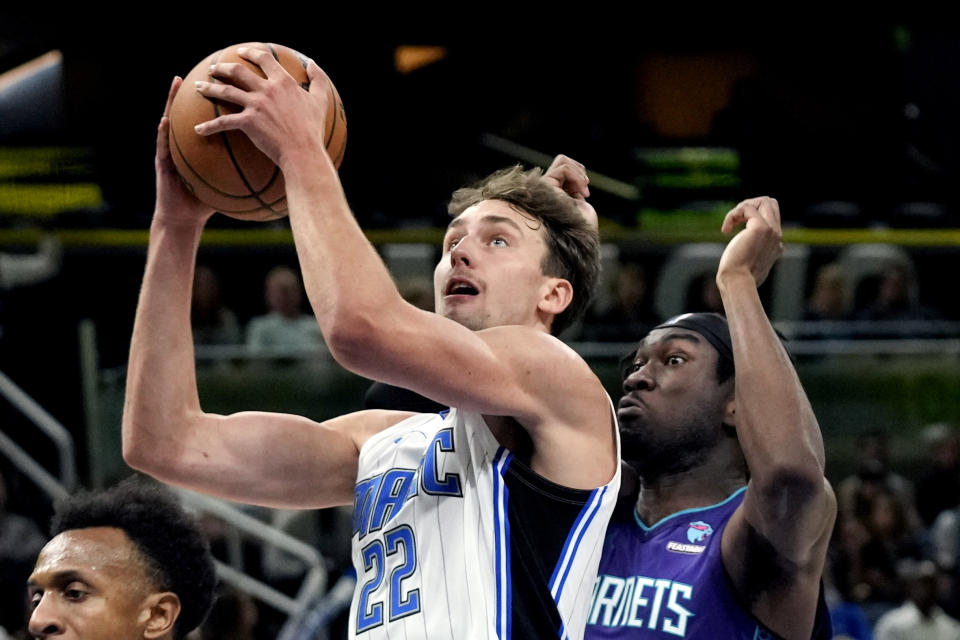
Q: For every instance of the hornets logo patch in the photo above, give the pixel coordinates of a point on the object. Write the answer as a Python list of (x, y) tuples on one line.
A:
[(698, 531)]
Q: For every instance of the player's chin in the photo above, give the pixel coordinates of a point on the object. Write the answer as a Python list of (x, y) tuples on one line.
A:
[(461, 314)]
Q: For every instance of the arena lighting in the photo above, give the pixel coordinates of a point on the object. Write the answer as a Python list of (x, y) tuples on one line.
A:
[(31, 96), (408, 58)]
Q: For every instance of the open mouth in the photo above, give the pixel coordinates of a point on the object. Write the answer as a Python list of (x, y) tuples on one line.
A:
[(460, 287)]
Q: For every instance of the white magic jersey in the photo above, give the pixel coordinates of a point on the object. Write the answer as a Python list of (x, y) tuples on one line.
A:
[(431, 536)]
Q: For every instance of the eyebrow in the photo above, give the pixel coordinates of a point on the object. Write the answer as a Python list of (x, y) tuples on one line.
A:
[(60, 578), (490, 218)]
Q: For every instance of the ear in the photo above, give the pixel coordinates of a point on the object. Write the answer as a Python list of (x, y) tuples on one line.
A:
[(730, 413), (160, 614), (556, 296)]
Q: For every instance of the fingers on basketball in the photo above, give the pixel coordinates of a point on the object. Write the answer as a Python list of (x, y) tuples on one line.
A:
[(226, 170)]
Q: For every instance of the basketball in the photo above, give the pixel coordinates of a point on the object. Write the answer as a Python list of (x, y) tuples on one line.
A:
[(226, 170)]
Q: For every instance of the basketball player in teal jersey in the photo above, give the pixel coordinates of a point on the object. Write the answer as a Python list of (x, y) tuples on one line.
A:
[(484, 521), (727, 534)]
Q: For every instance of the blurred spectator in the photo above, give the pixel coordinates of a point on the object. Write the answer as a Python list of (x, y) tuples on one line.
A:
[(945, 543), (285, 325), (891, 539), (20, 541), (213, 323), (828, 300), (843, 589), (873, 474), (938, 487), (877, 527), (704, 296), (234, 616), (871, 539), (631, 313), (919, 617), (896, 298)]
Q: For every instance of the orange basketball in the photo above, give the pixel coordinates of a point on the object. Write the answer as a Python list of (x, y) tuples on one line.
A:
[(226, 170)]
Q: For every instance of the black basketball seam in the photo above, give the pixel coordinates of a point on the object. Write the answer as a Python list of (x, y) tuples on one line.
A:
[(186, 161), (343, 143), (269, 211), (271, 205), (253, 193), (193, 170), (266, 207), (176, 146)]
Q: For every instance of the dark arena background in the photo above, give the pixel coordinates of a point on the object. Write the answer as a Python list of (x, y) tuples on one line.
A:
[(852, 125)]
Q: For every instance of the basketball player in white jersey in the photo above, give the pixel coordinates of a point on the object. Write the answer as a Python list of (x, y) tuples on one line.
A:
[(484, 521)]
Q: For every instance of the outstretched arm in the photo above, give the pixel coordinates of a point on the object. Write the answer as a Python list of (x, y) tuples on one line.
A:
[(515, 371), (369, 328), (270, 459), (789, 508)]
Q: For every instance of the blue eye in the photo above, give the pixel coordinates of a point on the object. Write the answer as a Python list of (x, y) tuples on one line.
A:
[(499, 242)]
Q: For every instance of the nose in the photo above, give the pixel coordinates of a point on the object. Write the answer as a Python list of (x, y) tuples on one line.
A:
[(641, 379), (460, 253), (44, 621)]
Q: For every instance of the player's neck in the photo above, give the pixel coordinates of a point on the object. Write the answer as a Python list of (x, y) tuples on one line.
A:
[(539, 323), (700, 486)]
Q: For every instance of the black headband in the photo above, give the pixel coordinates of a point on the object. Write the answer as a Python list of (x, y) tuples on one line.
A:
[(711, 326)]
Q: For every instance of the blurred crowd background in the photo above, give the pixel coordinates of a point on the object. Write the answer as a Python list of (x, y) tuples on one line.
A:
[(852, 125)]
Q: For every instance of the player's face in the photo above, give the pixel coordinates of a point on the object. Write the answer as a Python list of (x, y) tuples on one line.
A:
[(490, 273), (88, 584), (673, 408)]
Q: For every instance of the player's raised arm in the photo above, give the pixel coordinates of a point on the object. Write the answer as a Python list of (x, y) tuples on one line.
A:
[(572, 178), (789, 502), (460, 520), (504, 370), (166, 433)]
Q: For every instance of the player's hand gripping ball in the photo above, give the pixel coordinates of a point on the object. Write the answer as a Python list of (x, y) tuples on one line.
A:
[(226, 170)]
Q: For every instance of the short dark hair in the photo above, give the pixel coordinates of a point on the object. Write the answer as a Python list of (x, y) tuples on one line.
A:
[(176, 554), (573, 244), (712, 326), (725, 369)]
